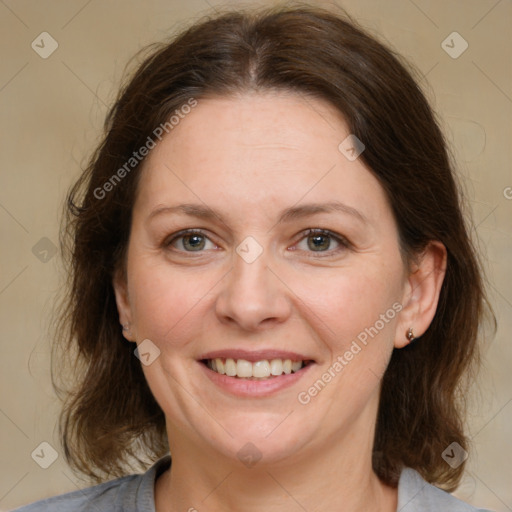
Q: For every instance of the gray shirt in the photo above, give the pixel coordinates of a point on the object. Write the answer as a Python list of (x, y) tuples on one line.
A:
[(135, 493)]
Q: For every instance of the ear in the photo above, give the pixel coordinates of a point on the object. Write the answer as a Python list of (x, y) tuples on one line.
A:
[(421, 293), (123, 303)]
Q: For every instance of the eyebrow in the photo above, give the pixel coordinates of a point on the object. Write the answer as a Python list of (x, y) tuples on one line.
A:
[(203, 211)]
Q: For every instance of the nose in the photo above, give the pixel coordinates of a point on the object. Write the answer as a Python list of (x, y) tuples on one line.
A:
[(253, 296)]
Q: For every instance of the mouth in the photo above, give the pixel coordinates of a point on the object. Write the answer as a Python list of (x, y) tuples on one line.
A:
[(254, 373), (263, 369)]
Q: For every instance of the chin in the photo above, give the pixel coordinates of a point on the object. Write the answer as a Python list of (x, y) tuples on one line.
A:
[(262, 439)]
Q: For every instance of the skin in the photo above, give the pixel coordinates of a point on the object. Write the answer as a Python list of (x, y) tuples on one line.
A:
[(292, 297)]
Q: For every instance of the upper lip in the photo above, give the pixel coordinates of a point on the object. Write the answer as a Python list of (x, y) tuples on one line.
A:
[(254, 355)]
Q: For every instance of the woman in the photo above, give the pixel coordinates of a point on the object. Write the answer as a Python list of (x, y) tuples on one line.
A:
[(273, 221)]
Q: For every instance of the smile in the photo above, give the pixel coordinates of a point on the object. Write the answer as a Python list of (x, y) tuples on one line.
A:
[(263, 369), (254, 373)]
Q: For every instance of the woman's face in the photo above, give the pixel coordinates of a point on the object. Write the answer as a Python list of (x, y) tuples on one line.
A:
[(294, 256)]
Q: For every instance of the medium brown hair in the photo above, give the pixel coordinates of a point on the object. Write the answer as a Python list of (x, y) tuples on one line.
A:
[(110, 417)]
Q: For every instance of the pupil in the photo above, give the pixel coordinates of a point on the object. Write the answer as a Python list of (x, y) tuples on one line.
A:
[(194, 242), (319, 242)]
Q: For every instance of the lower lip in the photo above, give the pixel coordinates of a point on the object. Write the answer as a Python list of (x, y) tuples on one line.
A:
[(254, 388)]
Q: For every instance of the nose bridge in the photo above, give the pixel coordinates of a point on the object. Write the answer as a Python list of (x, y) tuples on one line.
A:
[(252, 294)]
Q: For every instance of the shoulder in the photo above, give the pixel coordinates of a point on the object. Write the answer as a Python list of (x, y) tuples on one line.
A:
[(417, 495), (104, 497), (132, 493)]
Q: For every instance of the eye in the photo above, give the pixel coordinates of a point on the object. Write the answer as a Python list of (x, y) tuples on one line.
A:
[(313, 240), (322, 240), (191, 240)]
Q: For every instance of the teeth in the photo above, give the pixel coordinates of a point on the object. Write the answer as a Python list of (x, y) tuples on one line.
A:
[(230, 367), (243, 368), (276, 367), (296, 366), (219, 366), (259, 370)]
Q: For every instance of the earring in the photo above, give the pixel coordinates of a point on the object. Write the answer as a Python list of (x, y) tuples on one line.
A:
[(126, 327), (410, 334)]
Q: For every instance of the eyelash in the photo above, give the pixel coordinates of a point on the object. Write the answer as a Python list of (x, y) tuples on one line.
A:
[(342, 241)]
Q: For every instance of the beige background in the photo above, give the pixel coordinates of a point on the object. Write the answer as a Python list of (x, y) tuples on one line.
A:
[(52, 113)]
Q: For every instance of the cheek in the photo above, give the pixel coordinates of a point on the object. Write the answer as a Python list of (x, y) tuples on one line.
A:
[(167, 303), (355, 310), (354, 303)]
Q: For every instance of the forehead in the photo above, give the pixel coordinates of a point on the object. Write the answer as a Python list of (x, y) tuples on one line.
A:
[(260, 149)]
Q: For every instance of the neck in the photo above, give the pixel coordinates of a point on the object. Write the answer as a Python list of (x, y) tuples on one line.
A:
[(337, 476)]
